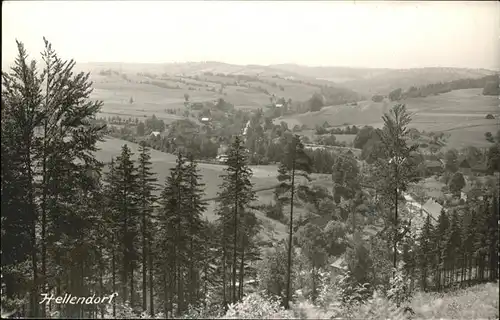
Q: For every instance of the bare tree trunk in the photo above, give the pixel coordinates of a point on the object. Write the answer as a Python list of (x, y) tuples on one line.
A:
[(34, 260), (242, 270), (165, 294), (101, 286), (224, 299), (151, 291), (144, 260), (113, 267), (235, 245), (132, 283), (290, 236)]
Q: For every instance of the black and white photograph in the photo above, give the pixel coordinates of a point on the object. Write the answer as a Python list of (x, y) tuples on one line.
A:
[(250, 160)]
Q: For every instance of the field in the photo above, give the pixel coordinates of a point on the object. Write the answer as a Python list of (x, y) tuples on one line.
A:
[(263, 177), (311, 134), (460, 113), (156, 88)]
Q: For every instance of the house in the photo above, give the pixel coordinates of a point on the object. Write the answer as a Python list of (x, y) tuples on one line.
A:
[(432, 208), (155, 133), (205, 119), (464, 167), (339, 265), (433, 167), (222, 150), (279, 105), (222, 158)]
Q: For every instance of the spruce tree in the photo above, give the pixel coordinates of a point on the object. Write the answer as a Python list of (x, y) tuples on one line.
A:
[(425, 251), (452, 246), (493, 236), (395, 170), (147, 184), (439, 252), (50, 113), (468, 234), (295, 163), (174, 219), (195, 209), (166, 242), (481, 247), (235, 196), (128, 219)]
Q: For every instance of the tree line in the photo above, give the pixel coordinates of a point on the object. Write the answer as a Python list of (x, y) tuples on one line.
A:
[(68, 226), (488, 83)]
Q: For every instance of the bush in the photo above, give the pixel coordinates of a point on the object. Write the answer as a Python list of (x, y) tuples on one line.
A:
[(489, 116), (273, 211), (258, 306), (377, 98), (491, 88)]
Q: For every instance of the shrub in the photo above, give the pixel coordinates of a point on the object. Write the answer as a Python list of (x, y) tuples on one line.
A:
[(489, 116), (491, 88), (378, 307), (273, 211), (258, 306)]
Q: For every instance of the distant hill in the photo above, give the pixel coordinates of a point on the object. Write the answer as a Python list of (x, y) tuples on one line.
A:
[(190, 68), (367, 81), (154, 88), (381, 81)]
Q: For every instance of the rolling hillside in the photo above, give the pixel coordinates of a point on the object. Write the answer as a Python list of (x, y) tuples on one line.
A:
[(138, 90), (154, 88), (264, 177), (461, 113), (371, 81)]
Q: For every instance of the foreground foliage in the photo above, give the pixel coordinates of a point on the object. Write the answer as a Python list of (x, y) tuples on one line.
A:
[(478, 302)]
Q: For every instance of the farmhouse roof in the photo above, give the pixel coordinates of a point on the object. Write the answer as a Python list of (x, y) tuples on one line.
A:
[(433, 208), (464, 164), (279, 105), (339, 264), (155, 133)]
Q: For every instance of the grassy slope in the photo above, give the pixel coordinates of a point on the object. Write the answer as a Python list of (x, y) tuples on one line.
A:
[(460, 113), (116, 91), (263, 177), (149, 99)]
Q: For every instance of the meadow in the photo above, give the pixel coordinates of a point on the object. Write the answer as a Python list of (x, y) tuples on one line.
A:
[(155, 93), (459, 113), (263, 176)]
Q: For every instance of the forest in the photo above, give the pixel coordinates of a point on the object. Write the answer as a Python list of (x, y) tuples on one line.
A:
[(69, 226)]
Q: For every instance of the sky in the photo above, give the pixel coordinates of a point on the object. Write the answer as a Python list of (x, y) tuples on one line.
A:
[(315, 33)]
